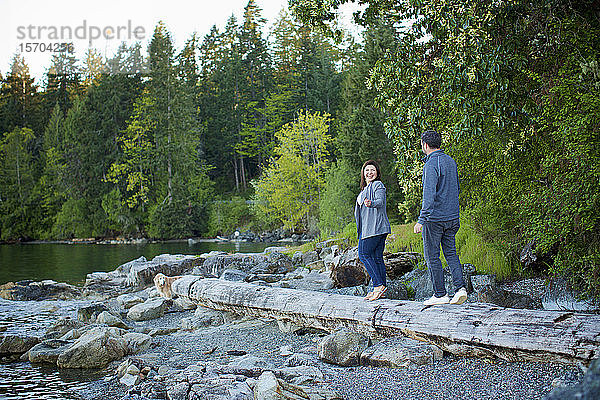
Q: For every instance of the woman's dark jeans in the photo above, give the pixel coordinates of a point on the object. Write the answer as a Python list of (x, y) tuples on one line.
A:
[(370, 253)]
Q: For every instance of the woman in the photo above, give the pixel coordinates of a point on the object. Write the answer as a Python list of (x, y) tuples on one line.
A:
[(373, 226)]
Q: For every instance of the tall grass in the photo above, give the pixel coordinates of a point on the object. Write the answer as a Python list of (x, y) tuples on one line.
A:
[(472, 249)]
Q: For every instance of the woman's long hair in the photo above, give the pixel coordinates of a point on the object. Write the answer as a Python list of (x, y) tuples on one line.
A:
[(363, 181)]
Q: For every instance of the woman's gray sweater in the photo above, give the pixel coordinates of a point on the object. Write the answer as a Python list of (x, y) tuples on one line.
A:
[(373, 220)]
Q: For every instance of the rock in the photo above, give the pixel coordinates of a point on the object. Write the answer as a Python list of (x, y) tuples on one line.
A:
[(150, 309), (398, 264), (109, 319), (343, 347), (249, 365), (318, 265), (297, 359), (44, 290), (162, 331), (267, 387), (396, 289), (47, 352), (310, 257), (313, 374), (89, 314), (130, 380), (234, 275), (94, 349), (287, 326), (331, 261), (183, 304), (560, 295), (142, 274), (133, 369), (285, 351), (503, 298), (360, 291), (209, 316), (480, 281), (269, 278), (12, 345), (399, 351), (297, 258), (137, 342), (421, 287), (129, 300), (241, 391), (255, 263), (350, 271), (528, 258), (303, 279), (61, 327), (587, 389), (179, 391)]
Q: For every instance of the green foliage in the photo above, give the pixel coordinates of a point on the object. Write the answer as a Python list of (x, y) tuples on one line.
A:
[(225, 216), (513, 87), (337, 200), (72, 221), (17, 180), (291, 186)]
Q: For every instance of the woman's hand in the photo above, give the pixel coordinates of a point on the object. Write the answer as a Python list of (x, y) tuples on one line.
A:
[(368, 202)]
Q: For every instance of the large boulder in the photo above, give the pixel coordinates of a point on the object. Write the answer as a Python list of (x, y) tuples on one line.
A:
[(252, 263), (62, 326), (94, 349), (129, 300), (90, 313), (110, 319), (342, 347), (48, 351), (398, 264), (268, 387), (419, 282), (142, 274), (350, 271), (44, 290), (150, 309), (503, 298), (14, 345), (399, 351)]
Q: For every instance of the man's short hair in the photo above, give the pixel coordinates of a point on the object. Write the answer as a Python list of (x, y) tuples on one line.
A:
[(432, 138)]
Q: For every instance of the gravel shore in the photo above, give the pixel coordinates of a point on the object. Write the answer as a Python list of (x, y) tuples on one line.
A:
[(450, 378)]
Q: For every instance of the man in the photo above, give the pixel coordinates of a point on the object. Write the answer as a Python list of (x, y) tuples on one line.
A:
[(439, 219)]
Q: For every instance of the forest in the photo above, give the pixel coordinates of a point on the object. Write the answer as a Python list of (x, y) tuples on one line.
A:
[(245, 128)]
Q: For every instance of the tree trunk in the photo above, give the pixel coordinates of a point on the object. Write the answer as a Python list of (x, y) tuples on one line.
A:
[(473, 329)]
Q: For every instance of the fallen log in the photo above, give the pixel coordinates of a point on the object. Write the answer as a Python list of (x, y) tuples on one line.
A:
[(472, 329)]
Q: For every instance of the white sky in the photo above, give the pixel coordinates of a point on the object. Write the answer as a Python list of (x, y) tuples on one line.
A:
[(181, 17)]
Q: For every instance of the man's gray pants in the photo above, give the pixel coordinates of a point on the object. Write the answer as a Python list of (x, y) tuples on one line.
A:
[(442, 233)]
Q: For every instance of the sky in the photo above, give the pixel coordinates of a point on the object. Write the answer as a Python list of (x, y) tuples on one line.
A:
[(34, 21)]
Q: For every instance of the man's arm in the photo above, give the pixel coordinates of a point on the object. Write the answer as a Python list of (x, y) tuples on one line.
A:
[(430, 178)]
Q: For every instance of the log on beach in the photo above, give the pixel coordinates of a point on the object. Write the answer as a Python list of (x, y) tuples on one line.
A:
[(472, 329)]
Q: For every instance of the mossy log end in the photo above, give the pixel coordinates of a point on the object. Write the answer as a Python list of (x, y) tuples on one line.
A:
[(472, 329)]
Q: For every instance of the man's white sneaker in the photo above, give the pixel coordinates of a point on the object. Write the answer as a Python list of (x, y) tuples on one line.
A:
[(459, 297), (437, 300)]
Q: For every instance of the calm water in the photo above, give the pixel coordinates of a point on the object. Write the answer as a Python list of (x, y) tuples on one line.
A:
[(67, 263), (71, 262)]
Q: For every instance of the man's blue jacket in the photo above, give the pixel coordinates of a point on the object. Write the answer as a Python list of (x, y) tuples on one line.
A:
[(440, 188)]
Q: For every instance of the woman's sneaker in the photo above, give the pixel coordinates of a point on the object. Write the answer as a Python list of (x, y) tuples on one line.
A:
[(459, 297), (437, 300)]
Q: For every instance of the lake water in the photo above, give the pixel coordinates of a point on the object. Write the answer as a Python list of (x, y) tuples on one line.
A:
[(68, 263), (71, 262)]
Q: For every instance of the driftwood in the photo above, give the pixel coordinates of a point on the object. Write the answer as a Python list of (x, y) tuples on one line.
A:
[(473, 329)]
